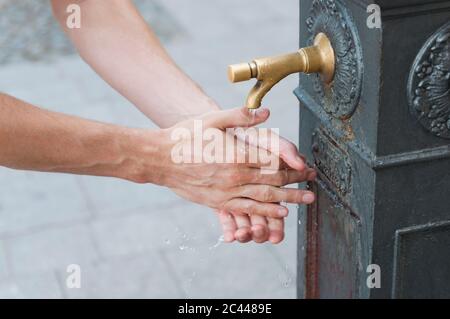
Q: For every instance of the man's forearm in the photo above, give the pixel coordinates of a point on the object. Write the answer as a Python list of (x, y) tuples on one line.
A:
[(118, 44), (35, 139)]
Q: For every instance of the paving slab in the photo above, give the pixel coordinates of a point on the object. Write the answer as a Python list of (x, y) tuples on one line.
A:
[(35, 286), (30, 200), (3, 262), (111, 196), (143, 276), (50, 250), (231, 271)]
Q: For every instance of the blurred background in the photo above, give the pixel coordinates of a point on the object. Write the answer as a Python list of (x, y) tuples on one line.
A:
[(137, 241)]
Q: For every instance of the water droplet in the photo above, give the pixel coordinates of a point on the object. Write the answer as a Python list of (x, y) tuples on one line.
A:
[(167, 241), (299, 221), (183, 247), (219, 241), (191, 278), (285, 279)]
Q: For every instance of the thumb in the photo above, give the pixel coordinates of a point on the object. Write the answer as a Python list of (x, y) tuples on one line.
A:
[(238, 117)]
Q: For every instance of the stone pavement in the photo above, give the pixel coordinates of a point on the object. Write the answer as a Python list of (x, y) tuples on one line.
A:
[(135, 241)]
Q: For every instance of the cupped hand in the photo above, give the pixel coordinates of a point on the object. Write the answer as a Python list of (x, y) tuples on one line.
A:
[(245, 228)]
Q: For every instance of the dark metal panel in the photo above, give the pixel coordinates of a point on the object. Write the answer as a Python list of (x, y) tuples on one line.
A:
[(332, 162), (389, 4), (361, 127), (421, 268), (338, 140), (407, 195), (331, 167), (429, 84), (312, 250), (379, 166), (399, 131), (334, 262)]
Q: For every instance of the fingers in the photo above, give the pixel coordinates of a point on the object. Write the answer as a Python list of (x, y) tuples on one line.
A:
[(244, 232), (250, 227), (255, 227), (271, 194), (260, 229), (278, 146), (278, 178), (290, 155), (251, 207), (228, 226), (276, 230), (256, 157), (239, 117)]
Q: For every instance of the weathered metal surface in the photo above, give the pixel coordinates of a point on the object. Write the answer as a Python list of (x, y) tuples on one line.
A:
[(340, 98), (333, 270), (429, 84), (383, 179), (421, 261), (311, 258), (332, 161)]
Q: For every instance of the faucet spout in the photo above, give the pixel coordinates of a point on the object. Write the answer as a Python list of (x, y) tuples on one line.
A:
[(257, 93), (271, 70)]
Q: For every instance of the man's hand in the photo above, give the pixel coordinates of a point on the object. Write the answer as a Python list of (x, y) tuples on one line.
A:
[(241, 188), (245, 228)]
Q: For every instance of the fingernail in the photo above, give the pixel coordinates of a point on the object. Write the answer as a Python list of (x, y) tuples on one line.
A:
[(262, 112), (229, 238), (312, 176), (257, 231), (300, 162), (283, 212), (308, 198)]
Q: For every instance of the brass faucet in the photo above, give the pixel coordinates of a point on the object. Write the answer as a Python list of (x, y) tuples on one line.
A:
[(318, 58)]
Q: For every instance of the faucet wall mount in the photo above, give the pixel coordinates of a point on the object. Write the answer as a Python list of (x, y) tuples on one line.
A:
[(319, 58)]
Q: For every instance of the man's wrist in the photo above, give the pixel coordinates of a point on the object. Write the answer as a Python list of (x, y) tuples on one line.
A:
[(202, 105), (142, 159)]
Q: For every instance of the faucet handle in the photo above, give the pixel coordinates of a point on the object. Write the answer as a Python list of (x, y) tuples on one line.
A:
[(242, 72), (239, 72)]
